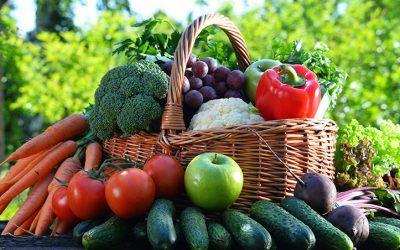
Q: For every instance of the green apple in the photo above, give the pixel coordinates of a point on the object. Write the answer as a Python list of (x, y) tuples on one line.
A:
[(253, 74), (213, 181)]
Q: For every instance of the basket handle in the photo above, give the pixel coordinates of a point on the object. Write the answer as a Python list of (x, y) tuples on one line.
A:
[(172, 119)]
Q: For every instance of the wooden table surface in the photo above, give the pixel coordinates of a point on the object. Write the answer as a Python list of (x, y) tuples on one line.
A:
[(64, 242)]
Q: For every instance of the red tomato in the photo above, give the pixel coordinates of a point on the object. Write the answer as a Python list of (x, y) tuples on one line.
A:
[(61, 207), (130, 193), (86, 196), (167, 173)]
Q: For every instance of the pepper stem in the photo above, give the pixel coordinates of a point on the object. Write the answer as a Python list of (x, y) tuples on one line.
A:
[(291, 77)]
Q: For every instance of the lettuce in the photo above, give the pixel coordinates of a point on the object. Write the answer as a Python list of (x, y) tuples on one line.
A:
[(385, 141)]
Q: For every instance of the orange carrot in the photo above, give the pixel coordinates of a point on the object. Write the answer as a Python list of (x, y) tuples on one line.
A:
[(64, 173), (6, 184), (25, 226), (61, 227), (18, 167), (46, 217), (43, 168), (35, 221), (93, 156), (65, 129), (32, 203), (3, 207), (67, 169)]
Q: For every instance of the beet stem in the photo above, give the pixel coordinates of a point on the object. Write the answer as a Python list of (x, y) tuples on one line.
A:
[(277, 157)]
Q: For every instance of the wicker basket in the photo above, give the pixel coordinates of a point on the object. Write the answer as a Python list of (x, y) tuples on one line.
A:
[(303, 144)]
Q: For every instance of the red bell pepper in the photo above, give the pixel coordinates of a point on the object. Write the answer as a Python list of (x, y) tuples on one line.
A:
[(288, 91)]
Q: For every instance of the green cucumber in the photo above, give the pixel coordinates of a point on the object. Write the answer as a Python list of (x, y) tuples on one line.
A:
[(382, 236), (327, 236), (386, 220), (288, 231), (160, 225), (139, 231), (108, 234), (248, 233), (193, 223), (220, 238), (84, 226)]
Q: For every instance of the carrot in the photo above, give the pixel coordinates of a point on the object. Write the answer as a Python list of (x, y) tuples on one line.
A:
[(61, 227), (32, 203), (18, 167), (46, 217), (25, 226), (43, 168), (35, 221), (93, 156), (3, 207), (65, 129), (64, 173), (6, 184), (67, 169)]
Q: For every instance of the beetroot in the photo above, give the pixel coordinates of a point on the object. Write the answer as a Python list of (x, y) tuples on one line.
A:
[(351, 221), (318, 191)]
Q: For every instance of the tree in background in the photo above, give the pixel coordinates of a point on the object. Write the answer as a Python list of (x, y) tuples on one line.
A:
[(57, 62)]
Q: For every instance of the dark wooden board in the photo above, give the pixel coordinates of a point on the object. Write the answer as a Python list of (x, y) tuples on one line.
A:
[(64, 242)]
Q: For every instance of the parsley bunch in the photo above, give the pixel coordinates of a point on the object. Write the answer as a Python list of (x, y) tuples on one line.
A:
[(330, 77)]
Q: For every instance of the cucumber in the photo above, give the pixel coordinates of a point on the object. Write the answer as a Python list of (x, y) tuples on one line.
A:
[(248, 233), (106, 235), (193, 223), (220, 238), (84, 226), (180, 238), (288, 231), (160, 224), (386, 220), (139, 231), (327, 236), (382, 236)]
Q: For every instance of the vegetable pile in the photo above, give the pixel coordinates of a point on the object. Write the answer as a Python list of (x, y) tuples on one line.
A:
[(107, 202)]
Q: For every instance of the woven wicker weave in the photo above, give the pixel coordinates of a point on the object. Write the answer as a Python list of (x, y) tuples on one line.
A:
[(303, 144)]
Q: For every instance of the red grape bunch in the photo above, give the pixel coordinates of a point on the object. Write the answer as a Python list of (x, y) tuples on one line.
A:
[(204, 80)]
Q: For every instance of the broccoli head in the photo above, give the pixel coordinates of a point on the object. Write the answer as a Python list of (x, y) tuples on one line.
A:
[(141, 87), (138, 113)]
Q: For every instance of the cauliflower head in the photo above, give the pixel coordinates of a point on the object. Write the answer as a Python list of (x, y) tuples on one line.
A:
[(224, 112)]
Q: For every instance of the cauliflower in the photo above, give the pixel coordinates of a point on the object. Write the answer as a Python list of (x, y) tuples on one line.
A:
[(224, 112)]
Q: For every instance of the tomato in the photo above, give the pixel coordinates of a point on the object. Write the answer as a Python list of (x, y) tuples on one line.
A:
[(61, 207), (167, 174), (86, 196), (130, 193)]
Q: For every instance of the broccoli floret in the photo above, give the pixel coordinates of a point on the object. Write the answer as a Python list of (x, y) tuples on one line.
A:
[(138, 113), (111, 104), (101, 125), (158, 91), (136, 91)]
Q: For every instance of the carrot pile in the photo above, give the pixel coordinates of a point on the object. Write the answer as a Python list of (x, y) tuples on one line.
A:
[(43, 162)]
